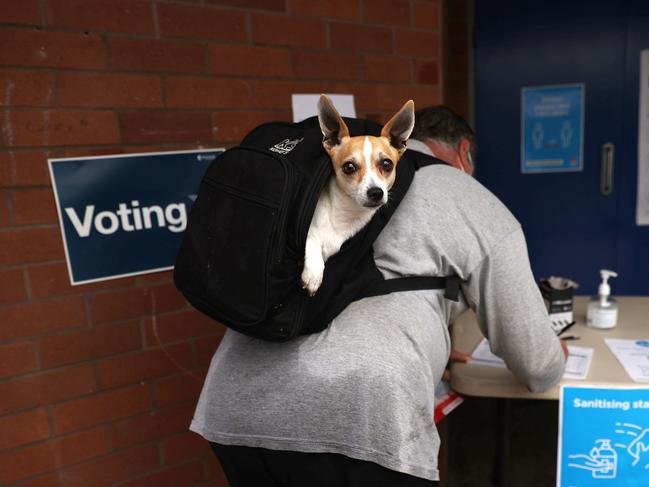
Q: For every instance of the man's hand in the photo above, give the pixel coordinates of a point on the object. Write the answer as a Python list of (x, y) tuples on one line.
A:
[(564, 347), (455, 357)]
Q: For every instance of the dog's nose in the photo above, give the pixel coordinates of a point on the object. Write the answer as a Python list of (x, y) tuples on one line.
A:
[(375, 194)]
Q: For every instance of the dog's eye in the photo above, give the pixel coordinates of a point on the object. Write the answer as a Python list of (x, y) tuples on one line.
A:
[(349, 168), (386, 165)]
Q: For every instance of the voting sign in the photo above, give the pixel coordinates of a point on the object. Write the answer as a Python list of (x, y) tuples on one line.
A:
[(552, 128), (603, 437), (123, 215)]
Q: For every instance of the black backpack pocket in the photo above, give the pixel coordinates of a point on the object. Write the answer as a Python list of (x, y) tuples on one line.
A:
[(236, 237)]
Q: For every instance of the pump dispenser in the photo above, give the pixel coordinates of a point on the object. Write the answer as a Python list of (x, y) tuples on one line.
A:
[(602, 309)]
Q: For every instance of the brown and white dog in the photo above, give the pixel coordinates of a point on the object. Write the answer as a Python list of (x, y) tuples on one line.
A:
[(364, 171)]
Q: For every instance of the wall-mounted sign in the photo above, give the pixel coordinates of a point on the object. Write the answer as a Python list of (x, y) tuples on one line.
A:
[(306, 105), (123, 215), (603, 437), (552, 128)]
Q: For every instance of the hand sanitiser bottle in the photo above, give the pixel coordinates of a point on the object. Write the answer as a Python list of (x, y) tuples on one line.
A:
[(602, 309)]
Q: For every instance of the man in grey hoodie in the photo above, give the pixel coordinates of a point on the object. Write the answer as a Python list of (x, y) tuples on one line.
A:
[(353, 405)]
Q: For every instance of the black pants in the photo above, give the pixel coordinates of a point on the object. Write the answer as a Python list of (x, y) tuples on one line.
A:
[(259, 467)]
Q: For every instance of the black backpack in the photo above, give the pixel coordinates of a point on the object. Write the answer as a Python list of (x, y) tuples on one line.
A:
[(240, 261)]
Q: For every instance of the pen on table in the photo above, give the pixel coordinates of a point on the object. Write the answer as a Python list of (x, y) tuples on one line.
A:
[(570, 337), (568, 326)]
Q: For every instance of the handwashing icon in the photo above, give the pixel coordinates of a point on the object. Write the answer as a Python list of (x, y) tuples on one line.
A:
[(602, 461)]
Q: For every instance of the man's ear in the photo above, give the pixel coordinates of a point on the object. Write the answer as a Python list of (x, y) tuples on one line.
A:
[(332, 125), (464, 156), (400, 126)]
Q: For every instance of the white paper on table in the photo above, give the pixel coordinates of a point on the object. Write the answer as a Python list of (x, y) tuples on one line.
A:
[(577, 366), (633, 355), (306, 105), (578, 363)]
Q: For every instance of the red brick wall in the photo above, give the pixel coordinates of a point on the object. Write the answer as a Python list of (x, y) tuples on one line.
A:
[(87, 396)]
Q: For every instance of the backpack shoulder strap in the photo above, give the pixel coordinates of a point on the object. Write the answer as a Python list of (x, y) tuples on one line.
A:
[(450, 284)]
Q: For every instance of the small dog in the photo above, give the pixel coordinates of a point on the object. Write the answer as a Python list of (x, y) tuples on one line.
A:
[(364, 171)]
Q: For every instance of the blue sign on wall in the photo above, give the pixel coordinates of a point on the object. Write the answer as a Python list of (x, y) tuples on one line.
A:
[(603, 437), (552, 128), (124, 215)]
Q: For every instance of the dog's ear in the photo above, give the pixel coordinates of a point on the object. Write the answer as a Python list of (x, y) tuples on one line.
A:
[(400, 126), (332, 125)]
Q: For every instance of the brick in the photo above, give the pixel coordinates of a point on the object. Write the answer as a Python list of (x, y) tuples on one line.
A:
[(325, 65), (277, 5), (51, 480), (335, 9), (45, 457), (17, 358), (50, 49), (21, 429), (25, 88), (46, 388), (23, 12), (109, 90), (122, 304), (289, 31), (417, 43), (205, 348), (100, 408), (24, 168), (199, 92), (140, 366), (423, 95), (162, 127), (157, 55), (206, 22), (426, 15), (34, 206), (360, 38), (182, 325), (387, 12), (232, 126), (89, 344), (277, 93), (388, 69), (239, 60), (30, 245), (183, 447), (120, 466), (427, 72), (22, 320), (152, 426), (12, 287), (5, 217), (98, 15), (185, 474), (180, 388), (369, 96), (154, 278), (53, 280), (50, 128)]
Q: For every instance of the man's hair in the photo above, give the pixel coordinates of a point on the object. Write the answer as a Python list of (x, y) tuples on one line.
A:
[(442, 124)]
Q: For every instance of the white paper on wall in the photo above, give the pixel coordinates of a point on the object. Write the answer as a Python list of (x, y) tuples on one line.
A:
[(306, 105)]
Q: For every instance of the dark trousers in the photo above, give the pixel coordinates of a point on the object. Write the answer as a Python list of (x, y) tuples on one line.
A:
[(259, 467)]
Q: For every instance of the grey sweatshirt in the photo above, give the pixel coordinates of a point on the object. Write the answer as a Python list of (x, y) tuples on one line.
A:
[(364, 387)]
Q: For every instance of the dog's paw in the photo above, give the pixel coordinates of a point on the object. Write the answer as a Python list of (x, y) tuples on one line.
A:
[(312, 279)]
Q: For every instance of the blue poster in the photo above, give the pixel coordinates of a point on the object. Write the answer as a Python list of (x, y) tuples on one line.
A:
[(603, 437), (123, 215), (552, 128)]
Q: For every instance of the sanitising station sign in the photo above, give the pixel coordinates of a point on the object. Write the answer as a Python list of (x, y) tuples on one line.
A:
[(123, 215)]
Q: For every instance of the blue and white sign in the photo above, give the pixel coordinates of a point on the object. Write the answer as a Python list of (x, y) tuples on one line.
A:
[(603, 437), (552, 128), (123, 215)]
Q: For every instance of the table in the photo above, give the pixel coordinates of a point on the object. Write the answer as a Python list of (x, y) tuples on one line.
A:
[(485, 381)]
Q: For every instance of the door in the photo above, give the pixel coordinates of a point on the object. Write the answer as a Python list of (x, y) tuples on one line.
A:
[(572, 228)]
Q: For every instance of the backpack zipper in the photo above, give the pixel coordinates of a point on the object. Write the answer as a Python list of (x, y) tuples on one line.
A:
[(304, 218)]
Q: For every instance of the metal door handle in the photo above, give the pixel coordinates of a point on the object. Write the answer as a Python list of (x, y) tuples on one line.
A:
[(608, 160)]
